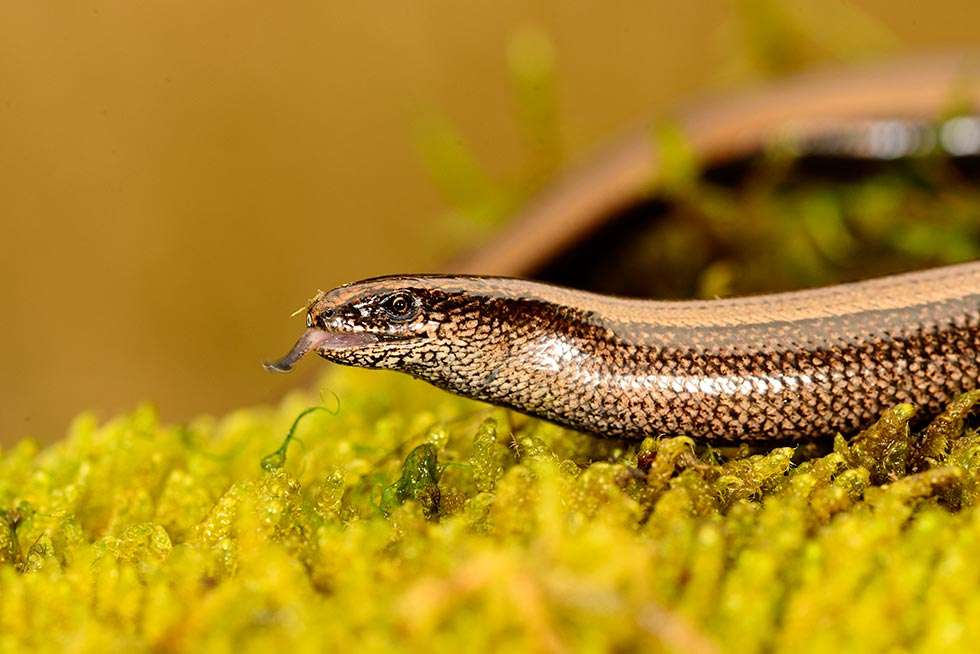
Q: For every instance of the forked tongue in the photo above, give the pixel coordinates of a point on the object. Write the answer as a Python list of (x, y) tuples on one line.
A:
[(317, 339)]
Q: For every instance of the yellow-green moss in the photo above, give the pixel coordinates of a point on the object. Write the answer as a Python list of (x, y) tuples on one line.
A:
[(410, 519)]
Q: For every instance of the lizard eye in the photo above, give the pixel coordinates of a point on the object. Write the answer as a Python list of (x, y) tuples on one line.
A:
[(400, 306), (321, 319)]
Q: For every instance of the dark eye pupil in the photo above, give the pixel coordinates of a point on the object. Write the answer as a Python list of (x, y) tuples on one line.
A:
[(398, 306)]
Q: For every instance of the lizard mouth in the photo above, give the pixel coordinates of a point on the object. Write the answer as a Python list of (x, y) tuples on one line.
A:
[(321, 342)]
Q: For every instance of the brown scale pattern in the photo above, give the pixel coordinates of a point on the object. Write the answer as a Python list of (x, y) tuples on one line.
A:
[(573, 369), (776, 367)]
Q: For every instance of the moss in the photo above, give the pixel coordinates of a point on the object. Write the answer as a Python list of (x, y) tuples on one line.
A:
[(419, 482), (411, 519)]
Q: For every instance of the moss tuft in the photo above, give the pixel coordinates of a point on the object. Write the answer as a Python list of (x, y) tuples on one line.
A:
[(419, 482)]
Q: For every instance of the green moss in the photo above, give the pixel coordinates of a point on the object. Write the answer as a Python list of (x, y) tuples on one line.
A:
[(411, 519), (419, 482)]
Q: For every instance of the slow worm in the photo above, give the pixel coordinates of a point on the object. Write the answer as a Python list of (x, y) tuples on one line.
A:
[(786, 366)]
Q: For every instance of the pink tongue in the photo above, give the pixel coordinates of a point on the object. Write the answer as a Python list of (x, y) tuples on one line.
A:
[(317, 339)]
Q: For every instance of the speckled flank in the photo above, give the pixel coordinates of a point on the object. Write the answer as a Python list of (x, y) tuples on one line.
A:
[(792, 365)]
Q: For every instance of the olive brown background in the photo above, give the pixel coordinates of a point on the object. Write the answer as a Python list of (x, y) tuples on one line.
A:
[(177, 177)]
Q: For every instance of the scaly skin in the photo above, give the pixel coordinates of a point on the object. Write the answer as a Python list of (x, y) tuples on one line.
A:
[(785, 366)]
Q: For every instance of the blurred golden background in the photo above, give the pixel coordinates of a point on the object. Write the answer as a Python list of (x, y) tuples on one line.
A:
[(176, 178)]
